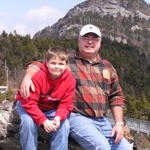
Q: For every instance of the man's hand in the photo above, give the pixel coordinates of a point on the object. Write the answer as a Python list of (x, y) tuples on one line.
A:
[(27, 83), (25, 87), (118, 132)]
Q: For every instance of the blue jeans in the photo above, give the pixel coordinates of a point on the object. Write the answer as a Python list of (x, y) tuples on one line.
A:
[(29, 131), (94, 134)]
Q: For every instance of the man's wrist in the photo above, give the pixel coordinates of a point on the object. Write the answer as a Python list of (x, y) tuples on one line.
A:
[(120, 122)]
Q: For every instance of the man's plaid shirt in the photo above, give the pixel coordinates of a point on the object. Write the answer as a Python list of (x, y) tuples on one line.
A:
[(97, 86)]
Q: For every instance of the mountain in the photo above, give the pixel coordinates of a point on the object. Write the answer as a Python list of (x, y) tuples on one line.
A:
[(126, 21), (125, 25)]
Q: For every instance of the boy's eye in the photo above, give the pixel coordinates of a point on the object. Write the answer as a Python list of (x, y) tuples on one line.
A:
[(52, 63), (61, 64)]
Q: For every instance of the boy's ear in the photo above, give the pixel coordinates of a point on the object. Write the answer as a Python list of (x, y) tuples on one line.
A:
[(46, 63), (67, 65)]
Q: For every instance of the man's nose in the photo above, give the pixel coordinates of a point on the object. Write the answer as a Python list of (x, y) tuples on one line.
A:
[(90, 40)]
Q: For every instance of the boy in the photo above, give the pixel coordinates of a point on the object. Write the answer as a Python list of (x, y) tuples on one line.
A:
[(50, 104)]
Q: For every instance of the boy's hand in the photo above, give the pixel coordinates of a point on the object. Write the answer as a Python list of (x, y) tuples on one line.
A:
[(49, 126), (57, 121)]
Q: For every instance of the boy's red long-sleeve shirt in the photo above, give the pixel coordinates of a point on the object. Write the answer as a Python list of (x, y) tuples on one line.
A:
[(49, 94)]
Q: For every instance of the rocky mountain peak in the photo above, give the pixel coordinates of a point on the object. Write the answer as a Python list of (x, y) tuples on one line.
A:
[(125, 8), (92, 10), (126, 21)]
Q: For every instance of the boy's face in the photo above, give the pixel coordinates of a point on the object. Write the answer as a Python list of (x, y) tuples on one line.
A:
[(56, 67)]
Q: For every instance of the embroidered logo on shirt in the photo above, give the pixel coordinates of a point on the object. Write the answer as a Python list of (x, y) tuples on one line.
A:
[(106, 74)]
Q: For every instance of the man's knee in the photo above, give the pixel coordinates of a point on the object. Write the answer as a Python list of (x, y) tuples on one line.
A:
[(100, 145), (92, 143)]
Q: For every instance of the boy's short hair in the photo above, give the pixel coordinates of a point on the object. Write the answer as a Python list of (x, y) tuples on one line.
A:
[(60, 52)]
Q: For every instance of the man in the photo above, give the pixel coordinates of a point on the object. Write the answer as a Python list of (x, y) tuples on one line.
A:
[(97, 88)]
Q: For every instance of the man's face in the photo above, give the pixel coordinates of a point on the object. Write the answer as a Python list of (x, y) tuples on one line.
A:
[(56, 67), (89, 45)]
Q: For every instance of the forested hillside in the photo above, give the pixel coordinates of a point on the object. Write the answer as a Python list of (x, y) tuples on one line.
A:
[(16, 51), (126, 21)]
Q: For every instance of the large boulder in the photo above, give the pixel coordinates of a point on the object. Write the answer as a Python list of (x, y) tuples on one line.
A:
[(9, 126), (9, 130)]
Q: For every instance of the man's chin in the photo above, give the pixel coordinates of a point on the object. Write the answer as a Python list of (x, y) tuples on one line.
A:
[(90, 51)]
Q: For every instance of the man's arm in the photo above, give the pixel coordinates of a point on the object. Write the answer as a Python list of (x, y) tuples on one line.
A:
[(27, 82), (117, 103), (118, 129)]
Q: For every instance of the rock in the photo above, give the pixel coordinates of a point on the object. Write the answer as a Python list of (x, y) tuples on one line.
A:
[(9, 126), (142, 142), (9, 130)]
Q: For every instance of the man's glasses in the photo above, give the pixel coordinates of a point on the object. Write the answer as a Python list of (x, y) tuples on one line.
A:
[(86, 39)]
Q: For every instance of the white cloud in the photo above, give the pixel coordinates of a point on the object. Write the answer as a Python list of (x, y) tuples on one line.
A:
[(36, 19), (27, 28), (22, 29), (33, 21), (43, 13)]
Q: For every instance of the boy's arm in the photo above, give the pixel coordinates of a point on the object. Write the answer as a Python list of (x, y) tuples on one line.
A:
[(66, 104), (27, 82), (31, 103)]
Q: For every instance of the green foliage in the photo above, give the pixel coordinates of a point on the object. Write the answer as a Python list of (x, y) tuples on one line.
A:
[(9, 95), (134, 78), (2, 97), (138, 108), (16, 51)]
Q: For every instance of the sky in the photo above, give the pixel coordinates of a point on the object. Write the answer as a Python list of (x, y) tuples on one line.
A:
[(31, 16)]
